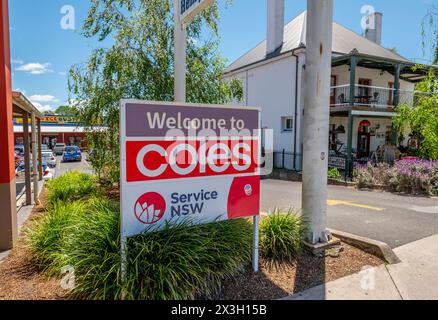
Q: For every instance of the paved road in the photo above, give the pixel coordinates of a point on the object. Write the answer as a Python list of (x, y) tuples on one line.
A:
[(394, 219), (62, 168)]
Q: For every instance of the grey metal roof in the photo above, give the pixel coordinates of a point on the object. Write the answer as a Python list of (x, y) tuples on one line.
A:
[(344, 41)]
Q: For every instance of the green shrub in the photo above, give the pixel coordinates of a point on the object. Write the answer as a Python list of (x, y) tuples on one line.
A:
[(334, 173), (281, 236), (183, 262), (180, 262), (45, 235), (92, 247), (69, 187)]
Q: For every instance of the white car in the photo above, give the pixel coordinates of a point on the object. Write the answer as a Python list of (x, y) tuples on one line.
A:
[(59, 148), (49, 158)]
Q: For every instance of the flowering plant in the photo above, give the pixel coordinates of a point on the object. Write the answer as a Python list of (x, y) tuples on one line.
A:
[(410, 176)]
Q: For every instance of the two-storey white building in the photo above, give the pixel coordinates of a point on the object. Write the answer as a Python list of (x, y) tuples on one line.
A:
[(368, 81)]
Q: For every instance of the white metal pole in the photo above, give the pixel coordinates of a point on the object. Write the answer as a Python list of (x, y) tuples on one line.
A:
[(255, 245), (180, 40), (317, 117)]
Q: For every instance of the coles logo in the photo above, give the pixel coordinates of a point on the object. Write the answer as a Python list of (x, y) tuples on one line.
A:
[(158, 160), (150, 208)]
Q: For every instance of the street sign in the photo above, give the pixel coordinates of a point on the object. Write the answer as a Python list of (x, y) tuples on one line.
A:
[(189, 9), (182, 161)]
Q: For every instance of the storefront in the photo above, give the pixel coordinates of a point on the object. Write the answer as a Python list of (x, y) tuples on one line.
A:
[(369, 135), (55, 129)]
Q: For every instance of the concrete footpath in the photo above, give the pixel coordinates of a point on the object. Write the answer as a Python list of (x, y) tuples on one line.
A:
[(415, 278)]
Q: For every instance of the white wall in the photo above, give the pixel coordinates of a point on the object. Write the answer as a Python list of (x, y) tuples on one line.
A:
[(272, 88)]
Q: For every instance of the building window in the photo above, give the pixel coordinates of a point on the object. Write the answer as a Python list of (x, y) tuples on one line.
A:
[(287, 124)]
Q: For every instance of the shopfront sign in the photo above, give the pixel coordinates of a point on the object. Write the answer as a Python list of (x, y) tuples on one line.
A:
[(53, 120)]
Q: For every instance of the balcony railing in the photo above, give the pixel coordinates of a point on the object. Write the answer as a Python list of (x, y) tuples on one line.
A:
[(370, 96)]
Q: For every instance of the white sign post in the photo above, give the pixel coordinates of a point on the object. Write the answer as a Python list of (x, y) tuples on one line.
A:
[(185, 11), (187, 162)]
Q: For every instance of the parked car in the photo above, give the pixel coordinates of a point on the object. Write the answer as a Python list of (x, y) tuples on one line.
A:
[(18, 157), (47, 172), (19, 148), (49, 158), (72, 153), (59, 148), (44, 147)]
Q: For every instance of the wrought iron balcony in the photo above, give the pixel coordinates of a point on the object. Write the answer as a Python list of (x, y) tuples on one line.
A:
[(369, 96)]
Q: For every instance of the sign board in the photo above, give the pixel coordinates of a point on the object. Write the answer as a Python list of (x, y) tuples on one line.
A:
[(191, 8), (183, 161), (53, 120)]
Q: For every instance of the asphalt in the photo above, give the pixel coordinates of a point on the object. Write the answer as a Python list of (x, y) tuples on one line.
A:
[(391, 218), (64, 167)]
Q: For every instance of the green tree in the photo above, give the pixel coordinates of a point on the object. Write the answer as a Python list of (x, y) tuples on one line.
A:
[(139, 65), (67, 110), (422, 119), (429, 32)]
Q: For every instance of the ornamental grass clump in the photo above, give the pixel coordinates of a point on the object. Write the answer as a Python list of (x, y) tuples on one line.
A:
[(71, 186), (92, 248), (281, 235), (180, 262), (46, 235), (183, 261)]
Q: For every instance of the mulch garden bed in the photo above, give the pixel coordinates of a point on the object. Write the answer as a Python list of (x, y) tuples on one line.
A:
[(279, 281), (21, 280)]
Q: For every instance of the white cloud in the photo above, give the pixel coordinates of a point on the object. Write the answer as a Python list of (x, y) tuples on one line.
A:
[(42, 108), (43, 98), (17, 61), (35, 68)]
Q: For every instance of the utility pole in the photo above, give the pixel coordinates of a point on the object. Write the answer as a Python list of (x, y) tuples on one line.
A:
[(316, 118), (180, 39)]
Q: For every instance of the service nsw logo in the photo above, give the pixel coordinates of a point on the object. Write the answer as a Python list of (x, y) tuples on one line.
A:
[(151, 207), (232, 198), (158, 160)]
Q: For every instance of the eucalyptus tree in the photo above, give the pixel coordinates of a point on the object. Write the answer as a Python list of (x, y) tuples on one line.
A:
[(139, 65)]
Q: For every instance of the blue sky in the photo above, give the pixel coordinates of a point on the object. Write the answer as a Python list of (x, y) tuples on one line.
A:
[(42, 51)]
